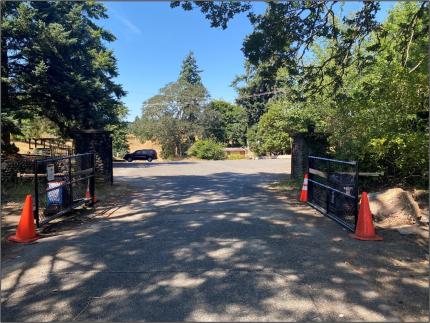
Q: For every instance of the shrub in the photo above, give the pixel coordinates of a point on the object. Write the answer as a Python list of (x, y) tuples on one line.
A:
[(207, 149)]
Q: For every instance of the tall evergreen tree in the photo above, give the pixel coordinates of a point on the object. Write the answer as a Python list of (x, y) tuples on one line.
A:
[(171, 117), (190, 71), (55, 64)]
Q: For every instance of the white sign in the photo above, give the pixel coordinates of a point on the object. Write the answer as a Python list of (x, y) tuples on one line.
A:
[(50, 169)]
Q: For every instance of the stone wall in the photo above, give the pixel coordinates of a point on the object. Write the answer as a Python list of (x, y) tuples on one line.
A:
[(13, 164)]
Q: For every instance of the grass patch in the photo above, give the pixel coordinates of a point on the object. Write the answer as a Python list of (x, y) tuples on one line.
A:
[(16, 192), (290, 187)]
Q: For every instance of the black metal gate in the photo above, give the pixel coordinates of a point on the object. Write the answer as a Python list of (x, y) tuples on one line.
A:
[(61, 184), (333, 189)]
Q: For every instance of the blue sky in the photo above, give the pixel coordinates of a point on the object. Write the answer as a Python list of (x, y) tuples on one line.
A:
[(153, 39)]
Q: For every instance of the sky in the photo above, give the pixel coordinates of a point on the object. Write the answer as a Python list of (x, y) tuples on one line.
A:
[(153, 39)]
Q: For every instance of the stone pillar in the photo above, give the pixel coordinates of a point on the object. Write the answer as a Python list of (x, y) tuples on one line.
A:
[(100, 142), (305, 144)]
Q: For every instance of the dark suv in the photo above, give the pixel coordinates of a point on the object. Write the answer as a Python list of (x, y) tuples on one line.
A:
[(144, 154)]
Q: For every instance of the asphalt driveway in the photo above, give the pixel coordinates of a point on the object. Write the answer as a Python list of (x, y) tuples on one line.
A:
[(211, 241)]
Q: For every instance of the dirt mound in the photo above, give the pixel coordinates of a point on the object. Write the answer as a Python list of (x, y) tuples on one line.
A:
[(396, 207)]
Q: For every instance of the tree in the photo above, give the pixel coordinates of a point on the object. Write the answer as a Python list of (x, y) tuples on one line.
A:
[(171, 117), (190, 72), (36, 128), (283, 37), (381, 112), (55, 64), (282, 121), (225, 123), (378, 113), (119, 131)]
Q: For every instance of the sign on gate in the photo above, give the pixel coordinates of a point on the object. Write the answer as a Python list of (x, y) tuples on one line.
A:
[(50, 172), (333, 189)]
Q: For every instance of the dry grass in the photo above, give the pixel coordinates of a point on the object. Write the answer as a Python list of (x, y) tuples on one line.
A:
[(135, 144), (236, 157)]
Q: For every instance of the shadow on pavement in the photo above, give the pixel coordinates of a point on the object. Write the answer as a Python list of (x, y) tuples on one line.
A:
[(219, 247)]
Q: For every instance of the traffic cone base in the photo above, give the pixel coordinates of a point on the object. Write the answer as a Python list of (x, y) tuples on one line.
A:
[(15, 238), (375, 237), (364, 229), (26, 230)]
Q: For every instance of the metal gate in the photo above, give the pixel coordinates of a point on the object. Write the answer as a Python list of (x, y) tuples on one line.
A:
[(333, 189), (61, 184)]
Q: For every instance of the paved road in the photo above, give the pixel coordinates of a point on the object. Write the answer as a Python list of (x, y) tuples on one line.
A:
[(210, 241)]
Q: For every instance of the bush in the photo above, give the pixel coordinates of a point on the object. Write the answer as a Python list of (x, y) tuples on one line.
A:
[(207, 149)]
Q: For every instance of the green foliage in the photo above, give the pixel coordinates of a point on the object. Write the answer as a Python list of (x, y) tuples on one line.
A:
[(283, 37), (190, 72), (381, 112), (36, 128), (363, 83), (207, 149), (219, 13), (119, 139), (255, 140), (171, 117), (224, 122), (273, 133), (55, 64)]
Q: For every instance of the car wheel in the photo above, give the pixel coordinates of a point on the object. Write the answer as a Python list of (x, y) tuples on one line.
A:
[(129, 159), (149, 159)]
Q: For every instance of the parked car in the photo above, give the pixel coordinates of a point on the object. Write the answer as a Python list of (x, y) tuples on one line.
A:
[(143, 154)]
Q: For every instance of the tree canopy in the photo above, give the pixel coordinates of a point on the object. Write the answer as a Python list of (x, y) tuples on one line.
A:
[(361, 81), (190, 72), (171, 117), (55, 64), (225, 123)]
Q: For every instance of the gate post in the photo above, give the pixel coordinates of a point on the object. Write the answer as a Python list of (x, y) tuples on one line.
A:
[(99, 142), (305, 144), (356, 194), (36, 194)]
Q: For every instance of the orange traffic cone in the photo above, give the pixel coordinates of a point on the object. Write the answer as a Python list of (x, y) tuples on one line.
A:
[(88, 194), (26, 230), (304, 193), (364, 229)]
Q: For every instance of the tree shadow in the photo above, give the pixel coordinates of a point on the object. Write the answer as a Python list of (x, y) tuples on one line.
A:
[(218, 247)]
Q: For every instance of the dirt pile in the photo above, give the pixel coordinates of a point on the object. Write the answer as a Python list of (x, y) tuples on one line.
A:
[(396, 207)]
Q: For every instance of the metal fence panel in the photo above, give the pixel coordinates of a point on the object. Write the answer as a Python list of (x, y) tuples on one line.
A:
[(333, 189), (61, 184)]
